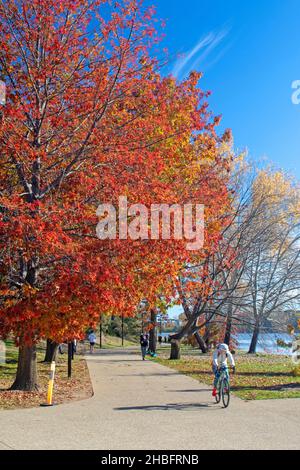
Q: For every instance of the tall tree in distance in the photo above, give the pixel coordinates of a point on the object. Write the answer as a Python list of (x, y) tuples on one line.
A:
[(273, 269)]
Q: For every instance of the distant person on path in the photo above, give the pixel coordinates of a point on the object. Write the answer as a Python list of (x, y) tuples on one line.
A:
[(92, 339), (219, 360), (144, 345)]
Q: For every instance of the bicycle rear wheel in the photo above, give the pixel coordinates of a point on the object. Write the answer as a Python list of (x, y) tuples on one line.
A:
[(225, 392)]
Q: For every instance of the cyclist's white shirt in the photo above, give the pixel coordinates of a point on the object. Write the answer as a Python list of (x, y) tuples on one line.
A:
[(220, 358)]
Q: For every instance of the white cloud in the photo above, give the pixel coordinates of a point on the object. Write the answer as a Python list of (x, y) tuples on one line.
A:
[(196, 56)]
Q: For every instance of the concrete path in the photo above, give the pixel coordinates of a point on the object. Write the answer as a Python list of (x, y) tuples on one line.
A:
[(142, 405)]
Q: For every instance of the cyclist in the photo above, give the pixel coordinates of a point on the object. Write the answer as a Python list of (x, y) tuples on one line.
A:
[(220, 357)]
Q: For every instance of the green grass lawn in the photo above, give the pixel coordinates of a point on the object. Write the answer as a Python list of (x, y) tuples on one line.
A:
[(8, 370), (257, 377), (110, 342)]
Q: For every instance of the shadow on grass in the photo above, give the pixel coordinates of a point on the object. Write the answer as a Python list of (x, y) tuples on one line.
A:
[(265, 374), (7, 373), (11, 361), (280, 387), (196, 372), (239, 374)]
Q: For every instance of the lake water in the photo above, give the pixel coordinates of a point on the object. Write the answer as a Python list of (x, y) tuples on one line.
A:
[(267, 342)]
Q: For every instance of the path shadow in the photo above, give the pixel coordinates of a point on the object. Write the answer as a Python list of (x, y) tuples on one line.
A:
[(113, 361), (143, 374), (168, 406), (198, 390), (114, 352)]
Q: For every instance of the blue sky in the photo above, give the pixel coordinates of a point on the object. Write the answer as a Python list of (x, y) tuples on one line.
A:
[(249, 52)]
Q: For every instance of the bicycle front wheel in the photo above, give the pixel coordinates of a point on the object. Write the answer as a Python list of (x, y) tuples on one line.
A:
[(225, 392), (218, 396)]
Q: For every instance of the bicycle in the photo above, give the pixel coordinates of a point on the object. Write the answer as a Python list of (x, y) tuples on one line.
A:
[(223, 387)]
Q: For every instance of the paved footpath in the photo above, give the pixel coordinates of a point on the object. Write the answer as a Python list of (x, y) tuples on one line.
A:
[(143, 405)]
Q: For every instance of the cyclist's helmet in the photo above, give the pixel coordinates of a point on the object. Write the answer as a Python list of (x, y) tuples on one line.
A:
[(223, 347)]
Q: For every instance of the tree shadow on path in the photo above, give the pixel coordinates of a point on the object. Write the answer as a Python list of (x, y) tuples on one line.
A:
[(144, 374), (115, 361)]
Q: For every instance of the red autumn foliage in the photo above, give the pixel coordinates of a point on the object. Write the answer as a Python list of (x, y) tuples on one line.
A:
[(89, 118)]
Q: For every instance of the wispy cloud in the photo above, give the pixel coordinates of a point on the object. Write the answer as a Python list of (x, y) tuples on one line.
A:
[(196, 56)]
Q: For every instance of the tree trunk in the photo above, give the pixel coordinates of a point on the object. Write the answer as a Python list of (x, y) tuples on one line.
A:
[(254, 340), (100, 332), (122, 330), (227, 337), (152, 335), (175, 350), (70, 348), (26, 378), (51, 351), (201, 343)]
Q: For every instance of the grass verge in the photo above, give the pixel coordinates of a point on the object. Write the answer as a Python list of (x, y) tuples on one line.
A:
[(258, 377)]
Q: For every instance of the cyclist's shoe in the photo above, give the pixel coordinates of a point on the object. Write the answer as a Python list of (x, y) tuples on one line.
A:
[(214, 392)]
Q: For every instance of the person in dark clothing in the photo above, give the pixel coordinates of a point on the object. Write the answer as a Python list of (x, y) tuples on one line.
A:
[(144, 342)]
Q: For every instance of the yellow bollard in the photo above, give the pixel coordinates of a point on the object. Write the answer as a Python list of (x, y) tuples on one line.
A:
[(50, 386)]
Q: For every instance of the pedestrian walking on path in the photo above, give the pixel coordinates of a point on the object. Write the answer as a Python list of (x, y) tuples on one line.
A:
[(92, 339), (144, 342)]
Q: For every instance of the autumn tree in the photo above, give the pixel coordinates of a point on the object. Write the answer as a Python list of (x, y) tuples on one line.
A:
[(254, 270), (89, 118), (273, 268), (265, 234)]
